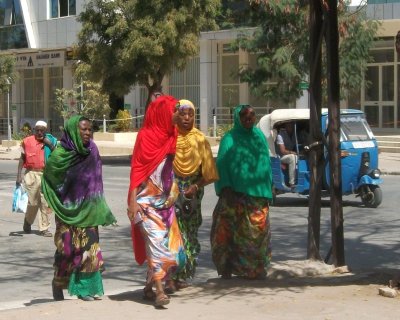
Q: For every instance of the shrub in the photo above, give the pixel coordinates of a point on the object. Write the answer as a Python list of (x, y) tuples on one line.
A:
[(123, 120)]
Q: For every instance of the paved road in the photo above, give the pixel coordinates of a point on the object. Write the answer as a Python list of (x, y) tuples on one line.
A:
[(26, 260)]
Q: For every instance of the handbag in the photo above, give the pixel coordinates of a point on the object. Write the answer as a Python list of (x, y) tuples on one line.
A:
[(184, 206), (20, 200)]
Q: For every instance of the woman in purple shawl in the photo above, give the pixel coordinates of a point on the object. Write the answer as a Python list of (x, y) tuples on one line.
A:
[(73, 186)]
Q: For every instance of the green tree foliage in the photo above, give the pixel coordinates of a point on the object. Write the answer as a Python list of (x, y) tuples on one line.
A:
[(129, 42), (90, 101), (281, 43), (7, 72)]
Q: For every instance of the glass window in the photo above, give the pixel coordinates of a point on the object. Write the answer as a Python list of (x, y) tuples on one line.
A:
[(185, 84), (230, 68), (383, 55), (12, 29), (354, 127), (372, 76), (372, 115), (33, 94), (388, 117), (387, 83), (62, 8)]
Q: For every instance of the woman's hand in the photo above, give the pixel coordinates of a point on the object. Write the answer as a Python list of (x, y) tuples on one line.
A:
[(133, 206), (191, 191), (47, 142)]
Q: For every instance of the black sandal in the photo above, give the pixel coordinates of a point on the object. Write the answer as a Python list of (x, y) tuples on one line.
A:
[(149, 294), (58, 294)]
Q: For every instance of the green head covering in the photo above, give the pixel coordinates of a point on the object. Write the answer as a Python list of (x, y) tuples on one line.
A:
[(243, 160), (72, 181)]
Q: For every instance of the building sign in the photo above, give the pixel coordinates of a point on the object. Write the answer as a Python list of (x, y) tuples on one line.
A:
[(39, 60)]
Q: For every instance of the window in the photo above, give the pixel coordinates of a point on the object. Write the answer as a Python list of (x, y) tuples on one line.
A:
[(185, 84), (62, 8), (12, 29), (33, 93)]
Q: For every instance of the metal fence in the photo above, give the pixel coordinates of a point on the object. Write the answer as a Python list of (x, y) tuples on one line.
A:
[(106, 125), (4, 129)]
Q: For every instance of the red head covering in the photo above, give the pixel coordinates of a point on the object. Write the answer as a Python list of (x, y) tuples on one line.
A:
[(155, 140)]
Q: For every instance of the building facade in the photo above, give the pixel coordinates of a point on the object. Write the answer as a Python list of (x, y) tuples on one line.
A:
[(40, 34)]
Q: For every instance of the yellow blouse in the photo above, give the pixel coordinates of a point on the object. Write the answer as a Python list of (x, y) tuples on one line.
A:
[(192, 152)]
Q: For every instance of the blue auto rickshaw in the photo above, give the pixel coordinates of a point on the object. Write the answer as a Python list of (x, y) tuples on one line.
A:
[(359, 154)]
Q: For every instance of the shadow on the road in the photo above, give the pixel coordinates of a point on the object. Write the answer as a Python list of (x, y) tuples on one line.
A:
[(37, 301), (22, 233), (302, 201), (7, 176), (122, 161), (16, 234), (244, 289), (134, 296)]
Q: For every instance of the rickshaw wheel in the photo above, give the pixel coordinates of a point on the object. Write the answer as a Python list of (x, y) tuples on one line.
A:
[(374, 198)]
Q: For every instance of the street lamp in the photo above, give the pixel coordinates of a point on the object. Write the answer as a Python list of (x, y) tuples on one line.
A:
[(8, 115)]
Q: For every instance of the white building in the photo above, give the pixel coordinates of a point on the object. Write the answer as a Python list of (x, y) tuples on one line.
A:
[(40, 33)]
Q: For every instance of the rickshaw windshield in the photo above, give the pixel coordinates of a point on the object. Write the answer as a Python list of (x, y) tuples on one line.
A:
[(354, 127)]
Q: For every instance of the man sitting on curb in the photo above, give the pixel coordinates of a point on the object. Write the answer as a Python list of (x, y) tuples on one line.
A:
[(35, 150)]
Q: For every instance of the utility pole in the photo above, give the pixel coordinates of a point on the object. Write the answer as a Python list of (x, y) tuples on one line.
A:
[(316, 149), (332, 45)]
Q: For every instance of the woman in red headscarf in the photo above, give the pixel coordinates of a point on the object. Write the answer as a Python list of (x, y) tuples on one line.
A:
[(152, 193)]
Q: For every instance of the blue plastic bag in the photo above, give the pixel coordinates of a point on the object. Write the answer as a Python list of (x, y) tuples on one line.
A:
[(20, 200)]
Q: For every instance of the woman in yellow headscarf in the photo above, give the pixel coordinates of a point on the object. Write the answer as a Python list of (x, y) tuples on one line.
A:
[(194, 168)]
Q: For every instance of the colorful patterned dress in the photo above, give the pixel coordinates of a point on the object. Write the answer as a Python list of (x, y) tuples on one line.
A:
[(240, 233), (158, 227), (73, 187), (241, 236), (193, 163), (189, 221)]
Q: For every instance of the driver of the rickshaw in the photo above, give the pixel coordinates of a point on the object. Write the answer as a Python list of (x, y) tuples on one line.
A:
[(286, 146)]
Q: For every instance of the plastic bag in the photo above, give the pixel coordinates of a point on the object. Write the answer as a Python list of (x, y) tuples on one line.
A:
[(20, 200)]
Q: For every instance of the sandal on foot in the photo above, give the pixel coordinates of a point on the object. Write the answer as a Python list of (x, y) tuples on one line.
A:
[(161, 300), (180, 284), (86, 298), (45, 233), (170, 287), (57, 292), (149, 294), (226, 275)]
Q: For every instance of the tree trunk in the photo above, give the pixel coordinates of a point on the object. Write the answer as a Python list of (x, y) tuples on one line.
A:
[(315, 153), (332, 44)]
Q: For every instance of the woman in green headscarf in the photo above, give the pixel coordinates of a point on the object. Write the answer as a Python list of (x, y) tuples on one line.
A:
[(73, 187), (240, 232)]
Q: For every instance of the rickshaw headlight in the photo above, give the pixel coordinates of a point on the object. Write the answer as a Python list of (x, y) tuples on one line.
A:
[(376, 173)]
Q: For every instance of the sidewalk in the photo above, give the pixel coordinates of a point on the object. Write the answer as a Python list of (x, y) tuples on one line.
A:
[(292, 290), (389, 163)]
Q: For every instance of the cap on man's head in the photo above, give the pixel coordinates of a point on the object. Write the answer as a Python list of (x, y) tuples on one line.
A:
[(41, 123)]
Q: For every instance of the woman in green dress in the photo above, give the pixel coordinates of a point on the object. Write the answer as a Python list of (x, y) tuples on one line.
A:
[(240, 232), (73, 187)]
